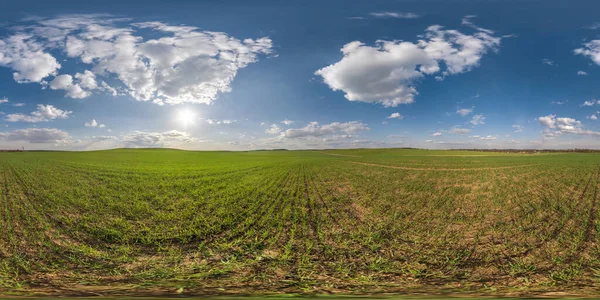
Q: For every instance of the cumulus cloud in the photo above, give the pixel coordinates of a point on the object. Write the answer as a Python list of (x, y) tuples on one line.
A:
[(593, 117), (44, 113), (556, 126), (591, 50), (65, 82), (177, 64), (582, 73), (274, 129), (396, 15), (37, 135), (463, 112), (287, 122), (437, 134), (93, 123), (396, 116), (157, 139), (314, 129), (478, 119), (3, 100), (548, 121), (26, 56), (387, 72)]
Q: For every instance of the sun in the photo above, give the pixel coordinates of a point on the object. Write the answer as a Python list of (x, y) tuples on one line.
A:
[(186, 117)]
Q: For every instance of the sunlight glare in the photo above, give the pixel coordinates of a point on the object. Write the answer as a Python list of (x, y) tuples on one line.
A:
[(186, 117)]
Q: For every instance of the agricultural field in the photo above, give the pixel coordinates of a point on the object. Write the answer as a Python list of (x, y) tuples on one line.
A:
[(159, 221)]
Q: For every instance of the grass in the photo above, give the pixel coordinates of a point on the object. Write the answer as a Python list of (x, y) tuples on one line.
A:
[(146, 222)]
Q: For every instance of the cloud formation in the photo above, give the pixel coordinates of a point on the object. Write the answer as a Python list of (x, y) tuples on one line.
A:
[(387, 72), (591, 50), (463, 112), (478, 119), (274, 129), (556, 126), (43, 113), (178, 64), (396, 116), (37, 135), (590, 102), (395, 15), (171, 138), (335, 129), (93, 123), (459, 130), (219, 122)]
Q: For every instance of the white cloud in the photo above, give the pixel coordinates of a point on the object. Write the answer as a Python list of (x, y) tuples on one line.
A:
[(219, 122), (459, 130), (590, 102), (560, 102), (485, 138), (44, 113), (593, 117), (25, 55), (101, 138), (547, 61), (37, 135), (518, 128), (178, 64), (171, 138), (466, 21), (337, 129), (548, 121), (65, 82), (287, 122), (582, 73), (87, 80), (437, 134), (386, 73), (274, 129), (558, 126), (94, 123), (396, 15), (19, 104), (396, 116), (478, 119), (590, 49), (3, 100), (464, 111)]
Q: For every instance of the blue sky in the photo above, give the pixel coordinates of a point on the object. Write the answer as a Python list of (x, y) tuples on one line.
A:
[(299, 74)]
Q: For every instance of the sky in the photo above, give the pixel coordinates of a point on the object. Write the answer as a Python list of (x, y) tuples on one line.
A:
[(245, 75)]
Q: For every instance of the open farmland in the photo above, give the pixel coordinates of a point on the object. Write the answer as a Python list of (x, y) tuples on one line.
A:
[(348, 221)]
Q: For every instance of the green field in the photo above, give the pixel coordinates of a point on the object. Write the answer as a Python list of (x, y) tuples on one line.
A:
[(142, 222)]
